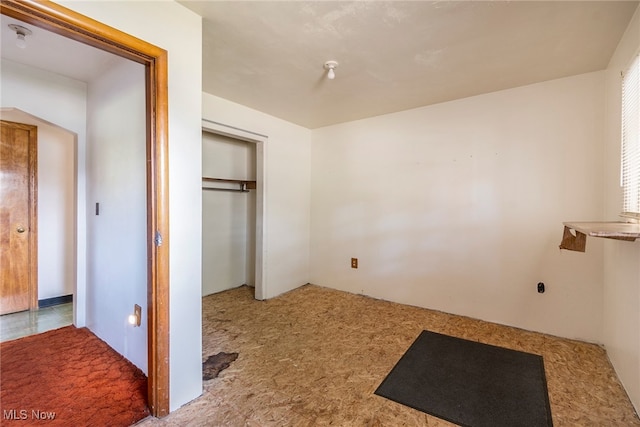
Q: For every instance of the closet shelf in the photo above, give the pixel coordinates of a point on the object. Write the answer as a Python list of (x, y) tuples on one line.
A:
[(245, 185), (610, 230)]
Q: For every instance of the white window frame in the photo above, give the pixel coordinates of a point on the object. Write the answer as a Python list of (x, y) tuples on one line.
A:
[(630, 150)]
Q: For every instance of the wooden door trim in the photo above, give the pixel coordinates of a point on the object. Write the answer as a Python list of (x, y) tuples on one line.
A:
[(66, 22), (33, 214)]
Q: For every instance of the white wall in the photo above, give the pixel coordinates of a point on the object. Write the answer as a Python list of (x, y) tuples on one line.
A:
[(178, 30), (56, 212), (287, 182), (61, 101), (459, 206), (228, 218), (56, 205), (622, 259), (116, 179)]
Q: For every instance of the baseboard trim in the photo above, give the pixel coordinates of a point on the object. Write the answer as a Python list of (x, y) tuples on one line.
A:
[(49, 302)]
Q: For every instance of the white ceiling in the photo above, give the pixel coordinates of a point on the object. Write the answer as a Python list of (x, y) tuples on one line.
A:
[(395, 55), (49, 51)]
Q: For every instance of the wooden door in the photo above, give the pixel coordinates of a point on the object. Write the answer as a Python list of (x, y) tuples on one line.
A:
[(18, 225)]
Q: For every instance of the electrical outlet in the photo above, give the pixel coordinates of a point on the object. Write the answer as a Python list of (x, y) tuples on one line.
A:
[(354, 262)]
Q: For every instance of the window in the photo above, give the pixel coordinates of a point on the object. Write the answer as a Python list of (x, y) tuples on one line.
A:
[(630, 170)]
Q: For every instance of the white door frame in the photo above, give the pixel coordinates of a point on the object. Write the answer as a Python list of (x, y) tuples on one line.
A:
[(261, 211)]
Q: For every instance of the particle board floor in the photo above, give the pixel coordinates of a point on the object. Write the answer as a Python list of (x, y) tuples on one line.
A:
[(314, 357)]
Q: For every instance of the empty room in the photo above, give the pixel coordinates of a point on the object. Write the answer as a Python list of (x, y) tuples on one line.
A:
[(384, 213)]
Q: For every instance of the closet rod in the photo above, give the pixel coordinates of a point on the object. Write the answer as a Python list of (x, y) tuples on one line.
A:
[(232, 190), (250, 185)]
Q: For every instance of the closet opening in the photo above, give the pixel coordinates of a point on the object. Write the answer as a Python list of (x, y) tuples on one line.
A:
[(232, 209)]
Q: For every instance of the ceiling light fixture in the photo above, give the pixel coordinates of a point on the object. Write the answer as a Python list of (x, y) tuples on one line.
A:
[(331, 66), (21, 33)]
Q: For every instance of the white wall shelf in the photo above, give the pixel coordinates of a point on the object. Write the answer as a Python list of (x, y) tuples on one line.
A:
[(610, 230), (245, 185)]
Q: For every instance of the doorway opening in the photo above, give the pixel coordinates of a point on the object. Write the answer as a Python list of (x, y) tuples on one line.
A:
[(65, 22), (233, 209), (54, 261)]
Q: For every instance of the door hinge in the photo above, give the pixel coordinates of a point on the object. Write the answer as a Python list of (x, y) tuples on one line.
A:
[(158, 238)]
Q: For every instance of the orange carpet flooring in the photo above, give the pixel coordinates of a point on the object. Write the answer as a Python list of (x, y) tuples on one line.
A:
[(68, 377)]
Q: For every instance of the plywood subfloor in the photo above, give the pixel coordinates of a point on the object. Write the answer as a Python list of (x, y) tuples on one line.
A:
[(314, 357)]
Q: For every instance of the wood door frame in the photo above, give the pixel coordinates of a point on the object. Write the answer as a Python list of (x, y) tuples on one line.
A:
[(33, 215), (60, 20), (32, 242)]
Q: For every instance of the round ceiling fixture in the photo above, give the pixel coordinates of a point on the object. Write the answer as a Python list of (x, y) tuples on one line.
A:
[(21, 33), (331, 66)]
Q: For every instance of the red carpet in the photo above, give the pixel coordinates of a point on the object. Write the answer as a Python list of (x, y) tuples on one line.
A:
[(68, 377)]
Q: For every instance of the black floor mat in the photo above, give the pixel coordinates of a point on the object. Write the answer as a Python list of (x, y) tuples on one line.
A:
[(470, 383)]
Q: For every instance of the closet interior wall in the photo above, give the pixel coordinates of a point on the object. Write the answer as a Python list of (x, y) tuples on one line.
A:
[(228, 216)]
